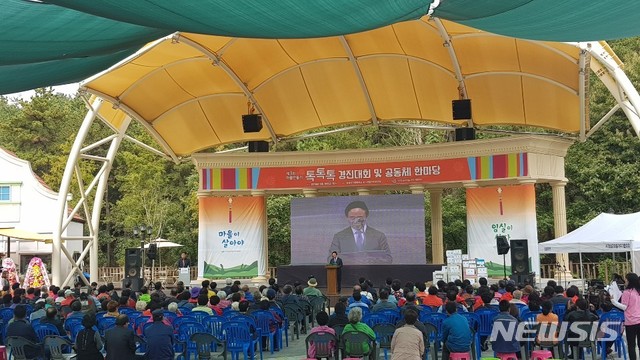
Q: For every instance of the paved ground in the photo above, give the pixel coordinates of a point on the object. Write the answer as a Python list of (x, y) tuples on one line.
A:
[(297, 351)]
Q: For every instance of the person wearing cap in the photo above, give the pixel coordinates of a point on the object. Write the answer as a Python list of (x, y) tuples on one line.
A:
[(228, 284), (311, 289), (159, 337), (68, 298), (194, 292), (119, 342), (39, 310), (359, 237)]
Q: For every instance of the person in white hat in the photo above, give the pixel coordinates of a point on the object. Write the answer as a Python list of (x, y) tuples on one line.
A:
[(311, 290)]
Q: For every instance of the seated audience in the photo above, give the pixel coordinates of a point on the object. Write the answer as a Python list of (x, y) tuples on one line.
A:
[(500, 343), (356, 324), (88, 341), (384, 303), (20, 327), (339, 316), (160, 338), (322, 319), (408, 342), (203, 300), (456, 333), (119, 342)]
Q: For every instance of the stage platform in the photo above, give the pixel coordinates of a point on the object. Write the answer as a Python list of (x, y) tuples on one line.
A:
[(350, 274)]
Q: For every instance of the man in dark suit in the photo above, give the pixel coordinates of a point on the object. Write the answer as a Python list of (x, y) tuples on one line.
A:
[(335, 260), (119, 341), (366, 243), (159, 338), (184, 262)]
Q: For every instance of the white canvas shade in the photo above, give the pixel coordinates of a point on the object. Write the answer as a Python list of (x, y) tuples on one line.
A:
[(606, 233)]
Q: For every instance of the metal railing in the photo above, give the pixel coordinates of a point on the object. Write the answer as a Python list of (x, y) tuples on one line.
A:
[(590, 270)]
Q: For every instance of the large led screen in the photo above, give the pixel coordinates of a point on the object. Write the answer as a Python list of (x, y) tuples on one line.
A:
[(385, 229)]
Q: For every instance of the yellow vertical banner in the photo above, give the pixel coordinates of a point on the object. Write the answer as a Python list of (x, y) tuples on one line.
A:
[(231, 232)]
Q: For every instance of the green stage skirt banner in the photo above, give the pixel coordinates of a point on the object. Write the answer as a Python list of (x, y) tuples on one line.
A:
[(230, 237), (509, 211)]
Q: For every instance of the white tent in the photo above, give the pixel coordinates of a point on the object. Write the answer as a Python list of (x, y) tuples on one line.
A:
[(606, 233)]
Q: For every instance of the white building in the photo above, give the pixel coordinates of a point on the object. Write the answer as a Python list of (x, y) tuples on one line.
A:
[(27, 203)]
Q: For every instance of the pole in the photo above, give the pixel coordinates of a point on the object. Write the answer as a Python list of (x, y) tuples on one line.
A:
[(142, 252), (581, 270), (504, 265)]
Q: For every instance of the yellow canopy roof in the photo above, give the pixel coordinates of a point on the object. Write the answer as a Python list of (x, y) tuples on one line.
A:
[(191, 90), (25, 235)]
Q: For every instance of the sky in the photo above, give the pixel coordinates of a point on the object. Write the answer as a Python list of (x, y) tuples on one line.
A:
[(69, 89)]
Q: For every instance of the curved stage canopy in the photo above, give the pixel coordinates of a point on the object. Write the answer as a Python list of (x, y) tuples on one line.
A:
[(62, 41), (399, 72)]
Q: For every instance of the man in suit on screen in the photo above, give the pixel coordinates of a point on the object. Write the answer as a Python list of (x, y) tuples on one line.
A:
[(360, 243)]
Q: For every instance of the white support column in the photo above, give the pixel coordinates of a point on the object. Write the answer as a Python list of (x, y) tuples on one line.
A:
[(263, 261), (560, 225), (437, 241), (97, 202), (74, 154)]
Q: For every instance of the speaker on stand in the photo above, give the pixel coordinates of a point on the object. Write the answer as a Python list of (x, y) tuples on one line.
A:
[(132, 268), (520, 269), (502, 244)]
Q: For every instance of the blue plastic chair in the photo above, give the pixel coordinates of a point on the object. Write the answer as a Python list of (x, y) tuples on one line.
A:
[(213, 325), (185, 319), (6, 314), (138, 322), (231, 314), (374, 319), (529, 316), (35, 322), (614, 321), (100, 314), (238, 337), (185, 311), (392, 316), (74, 331), (436, 320), (199, 316), (125, 310), (185, 331), (486, 321), (44, 330), (560, 310), (474, 323), (70, 323), (134, 314), (284, 329), (170, 316), (264, 321), (522, 307), (106, 323)]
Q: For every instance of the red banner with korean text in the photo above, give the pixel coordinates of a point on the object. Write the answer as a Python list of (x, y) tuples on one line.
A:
[(371, 174)]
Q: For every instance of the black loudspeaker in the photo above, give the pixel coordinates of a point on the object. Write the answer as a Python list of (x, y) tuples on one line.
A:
[(520, 257), (502, 244), (258, 146), (251, 123), (136, 283), (461, 109), (465, 133), (152, 251), (132, 263)]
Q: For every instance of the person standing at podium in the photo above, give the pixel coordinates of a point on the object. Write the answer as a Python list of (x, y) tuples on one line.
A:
[(184, 262), (335, 260)]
